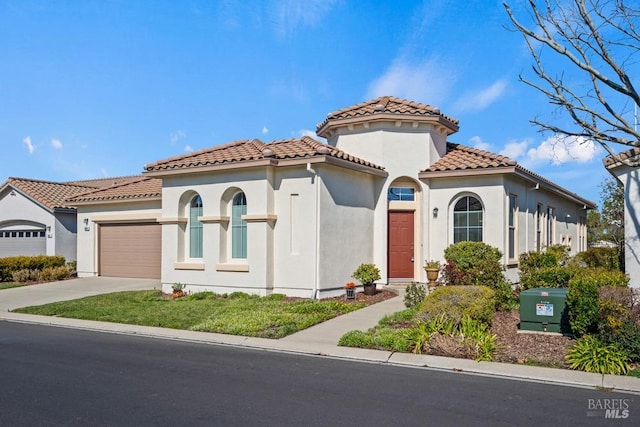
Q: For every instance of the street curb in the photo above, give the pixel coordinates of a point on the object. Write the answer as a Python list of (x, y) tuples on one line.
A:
[(553, 376)]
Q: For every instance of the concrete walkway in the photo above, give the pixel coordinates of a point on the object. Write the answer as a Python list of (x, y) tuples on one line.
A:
[(319, 340)]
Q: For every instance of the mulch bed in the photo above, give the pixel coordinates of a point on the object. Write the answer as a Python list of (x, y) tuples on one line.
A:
[(380, 295), (535, 349)]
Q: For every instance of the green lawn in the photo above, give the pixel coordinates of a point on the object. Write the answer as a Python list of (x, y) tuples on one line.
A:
[(8, 285), (236, 314)]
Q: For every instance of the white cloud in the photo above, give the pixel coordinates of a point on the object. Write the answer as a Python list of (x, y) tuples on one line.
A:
[(482, 98), (564, 149), (289, 15), (30, 146), (515, 149), (177, 136), (308, 132), (188, 148), (55, 143), (428, 81), (265, 130), (478, 143)]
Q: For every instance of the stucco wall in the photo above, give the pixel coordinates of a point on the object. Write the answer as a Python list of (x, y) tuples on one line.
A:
[(630, 178)]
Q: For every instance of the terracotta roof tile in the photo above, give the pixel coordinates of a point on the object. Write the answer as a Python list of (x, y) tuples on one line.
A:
[(246, 150), (50, 194), (630, 155), (386, 105), (104, 182), (140, 188), (459, 157)]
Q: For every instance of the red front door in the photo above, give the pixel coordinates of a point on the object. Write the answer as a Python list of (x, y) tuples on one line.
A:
[(400, 245)]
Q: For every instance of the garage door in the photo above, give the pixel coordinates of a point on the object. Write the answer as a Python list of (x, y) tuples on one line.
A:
[(130, 250), (22, 242)]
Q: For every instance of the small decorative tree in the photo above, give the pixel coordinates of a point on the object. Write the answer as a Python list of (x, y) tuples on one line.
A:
[(367, 274)]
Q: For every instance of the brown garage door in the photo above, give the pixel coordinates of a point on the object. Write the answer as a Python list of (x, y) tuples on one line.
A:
[(130, 250)]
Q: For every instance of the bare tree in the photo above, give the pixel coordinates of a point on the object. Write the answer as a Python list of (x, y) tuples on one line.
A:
[(599, 41)]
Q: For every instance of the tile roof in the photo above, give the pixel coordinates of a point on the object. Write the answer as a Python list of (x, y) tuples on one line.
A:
[(49, 194), (140, 188), (467, 159), (386, 105), (459, 157), (628, 156), (104, 182), (247, 150)]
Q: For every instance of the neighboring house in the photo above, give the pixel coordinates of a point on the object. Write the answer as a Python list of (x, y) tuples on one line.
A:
[(35, 218), (624, 167), (298, 216)]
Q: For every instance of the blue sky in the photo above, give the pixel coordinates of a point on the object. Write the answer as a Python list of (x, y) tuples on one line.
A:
[(100, 88)]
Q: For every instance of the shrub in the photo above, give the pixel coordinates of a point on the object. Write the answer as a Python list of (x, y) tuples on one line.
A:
[(608, 258), (26, 275), (472, 263), (381, 338), (12, 264), (415, 293), (547, 277), (582, 297), (366, 274), (454, 302), (619, 321), (49, 274), (591, 355)]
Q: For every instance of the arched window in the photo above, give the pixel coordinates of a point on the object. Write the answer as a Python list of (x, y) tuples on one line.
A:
[(467, 220), (238, 227), (195, 228)]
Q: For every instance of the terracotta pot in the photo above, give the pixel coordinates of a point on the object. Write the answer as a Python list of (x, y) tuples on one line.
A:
[(370, 289), (177, 294), (432, 274)]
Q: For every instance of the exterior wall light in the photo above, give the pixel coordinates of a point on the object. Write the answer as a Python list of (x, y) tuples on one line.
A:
[(435, 212)]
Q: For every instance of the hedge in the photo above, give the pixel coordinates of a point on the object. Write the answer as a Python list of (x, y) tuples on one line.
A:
[(10, 265)]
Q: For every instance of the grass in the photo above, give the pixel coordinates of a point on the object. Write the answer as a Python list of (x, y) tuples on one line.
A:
[(8, 285), (236, 314), (634, 373)]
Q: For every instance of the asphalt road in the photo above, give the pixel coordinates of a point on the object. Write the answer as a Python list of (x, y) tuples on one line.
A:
[(53, 376)]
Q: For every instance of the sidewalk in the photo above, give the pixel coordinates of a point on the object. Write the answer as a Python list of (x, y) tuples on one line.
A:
[(319, 340)]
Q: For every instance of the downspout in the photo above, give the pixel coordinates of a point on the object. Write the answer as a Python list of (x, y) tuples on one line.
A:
[(314, 179)]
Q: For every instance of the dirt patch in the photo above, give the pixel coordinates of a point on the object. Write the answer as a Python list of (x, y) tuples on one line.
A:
[(535, 349)]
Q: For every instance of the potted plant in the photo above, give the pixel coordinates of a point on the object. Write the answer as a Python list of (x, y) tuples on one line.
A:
[(350, 288), (177, 290), (367, 274), (433, 269)]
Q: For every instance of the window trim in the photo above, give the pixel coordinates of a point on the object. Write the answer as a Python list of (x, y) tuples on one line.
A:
[(238, 224), (512, 228), (197, 228)]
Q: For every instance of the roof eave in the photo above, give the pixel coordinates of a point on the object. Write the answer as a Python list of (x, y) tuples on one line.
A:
[(325, 128), (466, 172), (551, 186), (211, 168), (119, 201)]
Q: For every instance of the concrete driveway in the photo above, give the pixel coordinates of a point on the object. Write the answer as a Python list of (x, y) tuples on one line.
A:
[(70, 289)]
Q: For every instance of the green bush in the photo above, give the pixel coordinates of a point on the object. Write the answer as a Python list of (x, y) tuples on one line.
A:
[(472, 263), (582, 297), (454, 302), (619, 320), (415, 293), (547, 277), (366, 274), (591, 355), (10, 265), (376, 338), (608, 258)]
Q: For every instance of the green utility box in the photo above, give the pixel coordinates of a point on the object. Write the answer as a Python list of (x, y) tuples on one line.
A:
[(544, 310)]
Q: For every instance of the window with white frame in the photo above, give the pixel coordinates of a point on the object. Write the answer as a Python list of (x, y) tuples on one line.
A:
[(195, 227), (238, 227), (513, 219), (550, 225), (467, 220)]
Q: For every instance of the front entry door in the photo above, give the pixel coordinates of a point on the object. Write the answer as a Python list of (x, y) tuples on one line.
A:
[(400, 245)]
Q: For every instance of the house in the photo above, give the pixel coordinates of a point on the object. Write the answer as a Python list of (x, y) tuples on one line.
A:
[(624, 167), (298, 216), (35, 218)]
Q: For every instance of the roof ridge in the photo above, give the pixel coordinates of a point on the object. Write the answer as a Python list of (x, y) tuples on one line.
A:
[(117, 185)]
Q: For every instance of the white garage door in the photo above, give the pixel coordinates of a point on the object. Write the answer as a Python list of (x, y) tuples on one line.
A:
[(22, 242), (130, 250)]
